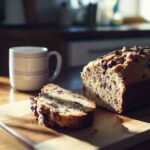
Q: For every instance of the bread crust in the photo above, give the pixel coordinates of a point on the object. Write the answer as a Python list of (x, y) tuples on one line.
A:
[(131, 64)]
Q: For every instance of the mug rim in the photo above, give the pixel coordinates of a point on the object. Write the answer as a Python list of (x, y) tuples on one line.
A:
[(28, 50)]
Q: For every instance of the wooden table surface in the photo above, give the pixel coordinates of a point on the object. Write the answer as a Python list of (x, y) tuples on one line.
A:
[(9, 95)]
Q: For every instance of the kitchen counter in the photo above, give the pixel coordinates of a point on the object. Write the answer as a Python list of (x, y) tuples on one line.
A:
[(74, 32), (70, 79)]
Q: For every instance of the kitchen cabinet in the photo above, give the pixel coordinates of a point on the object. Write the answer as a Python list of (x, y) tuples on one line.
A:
[(24, 37), (81, 52), (77, 45)]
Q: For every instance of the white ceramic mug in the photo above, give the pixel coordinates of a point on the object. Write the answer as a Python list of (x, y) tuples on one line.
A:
[(29, 67)]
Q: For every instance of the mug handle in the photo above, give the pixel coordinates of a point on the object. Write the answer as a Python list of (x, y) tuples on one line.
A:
[(58, 66)]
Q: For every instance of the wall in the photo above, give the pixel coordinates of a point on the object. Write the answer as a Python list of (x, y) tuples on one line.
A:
[(46, 10), (129, 7), (144, 9)]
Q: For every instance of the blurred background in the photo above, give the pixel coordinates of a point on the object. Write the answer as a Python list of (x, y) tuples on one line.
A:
[(81, 30)]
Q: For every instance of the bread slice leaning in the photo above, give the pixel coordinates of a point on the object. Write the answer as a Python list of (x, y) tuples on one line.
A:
[(56, 106)]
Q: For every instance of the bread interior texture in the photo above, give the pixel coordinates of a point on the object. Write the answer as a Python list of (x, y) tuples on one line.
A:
[(64, 107), (104, 86)]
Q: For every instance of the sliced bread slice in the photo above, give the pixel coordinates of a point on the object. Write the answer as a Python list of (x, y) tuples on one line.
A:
[(56, 106)]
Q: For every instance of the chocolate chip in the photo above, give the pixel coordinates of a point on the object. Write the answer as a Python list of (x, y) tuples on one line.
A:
[(117, 52), (116, 101), (102, 60), (109, 87), (114, 82), (84, 89), (90, 85), (122, 59), (111, 63), (97, 96), (54, 105), (77, 105), (103, 85), (140, 51), (88, 69), (104, 66), (60, 91), (45, 119), (107, 77), (60, 102), (103, 72), (33, 107)]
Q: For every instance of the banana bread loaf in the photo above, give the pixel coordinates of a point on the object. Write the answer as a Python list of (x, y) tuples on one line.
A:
[(56, 106), (120, 80)]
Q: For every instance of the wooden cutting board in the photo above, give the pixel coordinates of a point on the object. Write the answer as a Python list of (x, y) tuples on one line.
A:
[(108, 131)]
